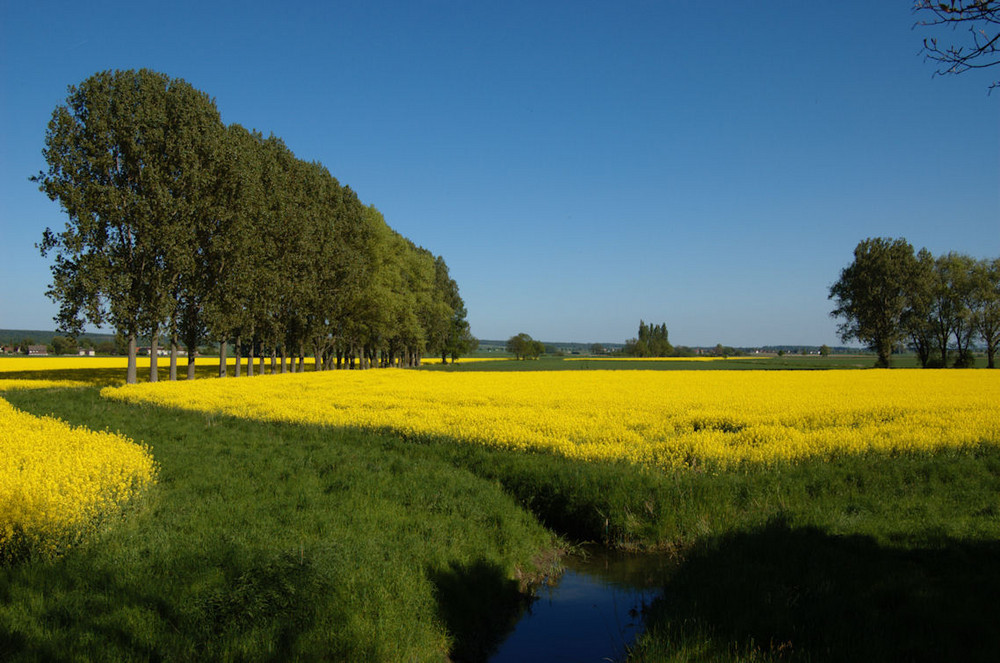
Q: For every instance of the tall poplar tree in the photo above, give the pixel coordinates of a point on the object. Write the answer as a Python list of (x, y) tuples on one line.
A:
[(125, 156)]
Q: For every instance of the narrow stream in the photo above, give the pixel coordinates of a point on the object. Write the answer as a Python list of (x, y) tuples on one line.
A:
[(592, 614)]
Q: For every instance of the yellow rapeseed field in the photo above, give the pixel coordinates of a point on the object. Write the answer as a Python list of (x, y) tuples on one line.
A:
[(58, 482), (665, 419), (23, 364)]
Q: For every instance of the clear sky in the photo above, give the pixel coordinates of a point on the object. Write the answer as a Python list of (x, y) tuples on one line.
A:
[(579, 165)]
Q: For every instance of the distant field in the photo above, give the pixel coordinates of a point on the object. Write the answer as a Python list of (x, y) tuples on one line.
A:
[(756, 363)]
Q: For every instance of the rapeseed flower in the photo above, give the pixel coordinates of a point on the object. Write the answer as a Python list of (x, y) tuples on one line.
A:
[(57, 482), (663, 419)]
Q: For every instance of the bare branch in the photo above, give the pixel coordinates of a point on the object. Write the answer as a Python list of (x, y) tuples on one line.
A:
[(982, 48)]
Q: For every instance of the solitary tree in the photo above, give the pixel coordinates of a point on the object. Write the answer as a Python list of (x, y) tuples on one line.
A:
[(523, 346), (871, 295)]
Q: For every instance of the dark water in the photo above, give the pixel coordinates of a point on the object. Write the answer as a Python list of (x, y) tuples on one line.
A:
[(592, 614)]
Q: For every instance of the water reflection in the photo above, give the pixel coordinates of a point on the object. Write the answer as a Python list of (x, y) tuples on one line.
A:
[(592, 614)]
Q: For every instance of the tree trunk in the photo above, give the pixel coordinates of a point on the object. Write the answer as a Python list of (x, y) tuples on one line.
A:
[(223, 351), (284, 359), (250, 361), (130, 373), (884, 353), (154, 351), (173, 359), (274, 360), (239, 357), (319, 358), (191, 359)]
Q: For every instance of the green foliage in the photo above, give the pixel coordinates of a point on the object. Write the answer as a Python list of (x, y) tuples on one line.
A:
[(61, 345), (939, 305), (128, 155), (871, 294), (652, 342), (522, 346), (183, 226), (985, 299)]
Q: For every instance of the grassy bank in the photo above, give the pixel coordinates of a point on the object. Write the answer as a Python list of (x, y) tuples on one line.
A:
[(873, 557), (272, 541)]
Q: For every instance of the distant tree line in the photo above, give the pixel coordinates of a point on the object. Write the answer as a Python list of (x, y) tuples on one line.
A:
[(890, 296), (654, 341), (183, 227)]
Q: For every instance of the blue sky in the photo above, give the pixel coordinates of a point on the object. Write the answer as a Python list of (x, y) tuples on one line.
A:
[(579, 165)]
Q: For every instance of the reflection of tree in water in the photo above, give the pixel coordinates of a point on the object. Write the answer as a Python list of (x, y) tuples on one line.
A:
[(802, 593)]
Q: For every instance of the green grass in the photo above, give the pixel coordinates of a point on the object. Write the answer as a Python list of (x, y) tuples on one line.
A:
[(872, 557), (268, 541)]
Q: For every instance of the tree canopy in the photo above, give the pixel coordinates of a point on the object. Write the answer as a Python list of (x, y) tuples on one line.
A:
[(182, 226), (889, 296), (523, 346), (652, 341)]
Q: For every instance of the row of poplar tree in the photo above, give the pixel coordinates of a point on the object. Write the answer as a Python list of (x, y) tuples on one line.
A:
[(183, 227), (938, 306)]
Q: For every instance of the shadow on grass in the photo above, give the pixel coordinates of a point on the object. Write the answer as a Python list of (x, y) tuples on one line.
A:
[(480, 606), (97, 614), (801, 594), (102, 377), (94, 376)]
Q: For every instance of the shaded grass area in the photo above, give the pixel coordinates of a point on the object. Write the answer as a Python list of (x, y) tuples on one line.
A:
[(270, 542), (873, 557), (899, 499), (104, 377), (792, 593), (273, 540)]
